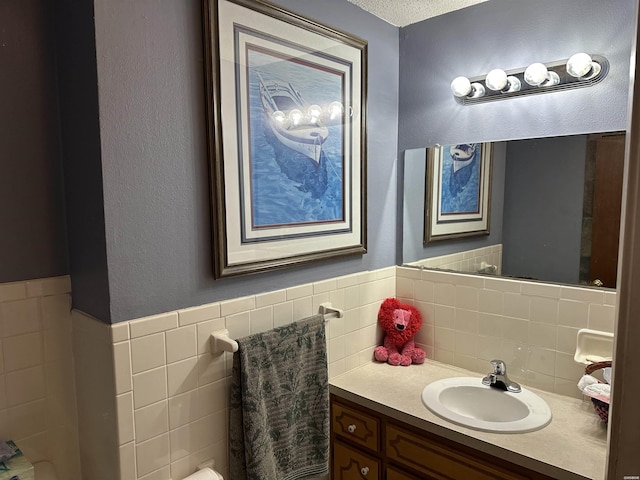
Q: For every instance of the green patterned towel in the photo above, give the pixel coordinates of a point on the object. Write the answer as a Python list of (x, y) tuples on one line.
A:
[(279, 405)]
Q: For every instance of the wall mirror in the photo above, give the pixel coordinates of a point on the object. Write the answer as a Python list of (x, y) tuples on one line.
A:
[(555, 212)]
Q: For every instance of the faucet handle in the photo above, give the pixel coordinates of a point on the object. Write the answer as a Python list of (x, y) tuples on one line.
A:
[(499, 367)]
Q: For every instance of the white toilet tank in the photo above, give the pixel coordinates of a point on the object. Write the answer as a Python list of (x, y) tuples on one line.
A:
[(44, 471)]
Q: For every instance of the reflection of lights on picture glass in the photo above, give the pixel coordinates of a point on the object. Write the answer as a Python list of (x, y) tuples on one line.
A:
[(314, 113), (335, 110), (295, 116), (279, 116)]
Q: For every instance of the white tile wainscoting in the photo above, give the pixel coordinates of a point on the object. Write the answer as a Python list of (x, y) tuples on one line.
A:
[(470, 261), (152, 398), (37, 392), (169, 392)]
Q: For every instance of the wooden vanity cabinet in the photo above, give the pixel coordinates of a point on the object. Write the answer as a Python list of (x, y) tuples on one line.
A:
[(367, 445), (355, 443)]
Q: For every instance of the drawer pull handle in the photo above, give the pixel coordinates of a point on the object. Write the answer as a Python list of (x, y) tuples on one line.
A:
[(364, 471), (351, 428)]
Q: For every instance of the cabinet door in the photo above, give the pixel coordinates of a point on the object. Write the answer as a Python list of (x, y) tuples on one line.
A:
[(352, 464), (393, 474)]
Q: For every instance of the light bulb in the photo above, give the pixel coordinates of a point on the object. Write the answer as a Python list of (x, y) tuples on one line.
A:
[(535, 74), (295, 116), (461, 86), (538, 75), (496, 79), (582, 65)]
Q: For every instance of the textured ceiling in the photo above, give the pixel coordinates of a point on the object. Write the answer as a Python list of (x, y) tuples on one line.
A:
[(405, 12)]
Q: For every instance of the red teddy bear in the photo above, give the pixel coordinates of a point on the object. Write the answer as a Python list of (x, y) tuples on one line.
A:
[(400, 323)]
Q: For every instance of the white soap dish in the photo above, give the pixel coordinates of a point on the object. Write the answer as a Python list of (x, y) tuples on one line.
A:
[(593, 346)]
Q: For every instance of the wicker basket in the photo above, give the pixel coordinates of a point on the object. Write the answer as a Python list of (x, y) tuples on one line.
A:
[(602, 408)]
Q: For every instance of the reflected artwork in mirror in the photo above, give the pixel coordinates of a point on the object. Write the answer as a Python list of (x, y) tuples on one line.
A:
[(555, 212), (457, 201)]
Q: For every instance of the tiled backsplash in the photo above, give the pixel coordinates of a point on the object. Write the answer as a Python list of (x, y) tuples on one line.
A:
[(37, 392), (533, 327), (468, 261)]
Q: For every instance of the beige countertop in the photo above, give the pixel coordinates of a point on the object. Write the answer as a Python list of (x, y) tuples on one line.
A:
[(572, 446)]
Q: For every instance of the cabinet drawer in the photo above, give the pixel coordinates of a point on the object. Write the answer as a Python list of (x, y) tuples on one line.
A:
[(357, 426), (352, 464), (440, 461)]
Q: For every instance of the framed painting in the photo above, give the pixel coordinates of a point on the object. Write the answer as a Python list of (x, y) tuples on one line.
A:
[(286, 107), (458, 193)]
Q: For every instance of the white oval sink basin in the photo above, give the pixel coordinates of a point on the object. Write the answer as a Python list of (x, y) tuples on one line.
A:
[(466, 401)]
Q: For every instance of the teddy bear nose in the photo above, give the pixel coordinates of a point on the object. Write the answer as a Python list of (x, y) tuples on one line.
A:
[(399, 326)]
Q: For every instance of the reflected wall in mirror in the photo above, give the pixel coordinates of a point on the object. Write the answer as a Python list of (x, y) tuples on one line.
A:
[(555, 212)]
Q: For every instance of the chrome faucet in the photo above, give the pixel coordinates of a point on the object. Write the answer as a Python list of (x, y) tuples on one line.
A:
[(498, 378)]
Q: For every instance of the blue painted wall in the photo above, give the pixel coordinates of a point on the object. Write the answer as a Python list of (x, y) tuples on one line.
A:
[(133, 136), (543, 197), (81, 149), (154, 162)]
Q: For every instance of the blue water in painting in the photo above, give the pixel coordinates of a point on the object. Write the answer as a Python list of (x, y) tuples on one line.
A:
[(460, 192), (287, 187)]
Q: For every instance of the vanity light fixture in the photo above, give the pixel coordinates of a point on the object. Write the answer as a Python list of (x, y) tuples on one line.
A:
[(581, 70)]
